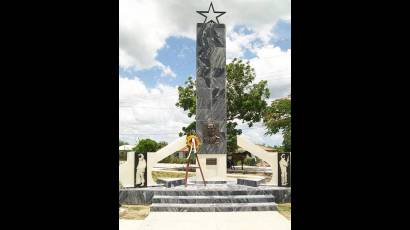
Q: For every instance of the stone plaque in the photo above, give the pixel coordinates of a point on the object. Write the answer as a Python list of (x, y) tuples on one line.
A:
[(210, 161), (284, 169)]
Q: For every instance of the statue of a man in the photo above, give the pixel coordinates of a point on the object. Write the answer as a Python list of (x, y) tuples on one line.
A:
[(142, 165), (283, 163)]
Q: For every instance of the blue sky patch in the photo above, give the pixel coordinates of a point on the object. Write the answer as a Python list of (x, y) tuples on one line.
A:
[(179, 55), (282, 35), (241, 29)]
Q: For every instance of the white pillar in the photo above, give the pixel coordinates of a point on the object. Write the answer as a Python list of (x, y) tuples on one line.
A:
[(126, 171), (154, 158), (212, 172)]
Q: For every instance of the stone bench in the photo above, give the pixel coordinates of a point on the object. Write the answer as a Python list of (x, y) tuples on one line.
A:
[(254, 182)]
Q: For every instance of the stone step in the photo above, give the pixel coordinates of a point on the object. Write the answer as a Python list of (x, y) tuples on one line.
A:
[(171, 182), (213, 192), (213, 199), (210, 182), (223, 207)]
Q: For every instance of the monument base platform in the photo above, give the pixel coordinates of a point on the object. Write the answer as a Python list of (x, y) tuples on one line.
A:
[(230, 188), (213, 166)]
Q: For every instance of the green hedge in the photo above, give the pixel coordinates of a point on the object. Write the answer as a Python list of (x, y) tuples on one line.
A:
[(250, 161), (172, 159)]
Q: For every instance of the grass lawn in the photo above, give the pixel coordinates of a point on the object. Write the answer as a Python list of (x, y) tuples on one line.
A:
[(285, 209), (158, 174), (134, 212)]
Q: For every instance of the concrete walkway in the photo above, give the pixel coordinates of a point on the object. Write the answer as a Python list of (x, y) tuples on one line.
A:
[(130, 224), (210, 221)]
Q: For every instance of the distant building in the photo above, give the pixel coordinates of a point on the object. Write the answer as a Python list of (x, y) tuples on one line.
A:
[(182, 153), (267, 149)]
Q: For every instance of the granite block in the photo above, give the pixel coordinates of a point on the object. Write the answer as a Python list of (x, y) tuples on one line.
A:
[(238, 193), (217, 57), (203, 114), (203, 100), (213, 199), (250, 182), (211, 74), (169, 183), (217, 78), (219, 37), (223, 207), (218, 105)]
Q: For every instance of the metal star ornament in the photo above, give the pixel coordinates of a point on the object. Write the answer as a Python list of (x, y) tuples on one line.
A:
[(211, 16)]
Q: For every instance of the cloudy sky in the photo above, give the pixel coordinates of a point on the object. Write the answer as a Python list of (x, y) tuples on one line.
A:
[(157, 54)]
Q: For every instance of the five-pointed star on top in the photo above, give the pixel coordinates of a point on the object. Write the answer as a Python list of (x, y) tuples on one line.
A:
[(211, 16)]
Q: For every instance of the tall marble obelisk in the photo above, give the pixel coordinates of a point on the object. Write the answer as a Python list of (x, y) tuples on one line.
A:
[(211, 99)]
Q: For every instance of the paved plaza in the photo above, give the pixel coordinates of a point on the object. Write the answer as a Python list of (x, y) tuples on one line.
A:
[(209, 221)]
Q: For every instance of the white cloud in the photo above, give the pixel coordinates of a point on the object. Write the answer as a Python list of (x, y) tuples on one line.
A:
[(256, 134), (273, 65), (144, 25), (166, 71), (236, 43), (149, 113), (143, 29)]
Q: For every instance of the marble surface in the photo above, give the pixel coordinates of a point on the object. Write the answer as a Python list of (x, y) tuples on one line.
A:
[(227, 197), (213, 199), (254, 182), (167, 182), (224, 207), (145, 195), (211, 84)]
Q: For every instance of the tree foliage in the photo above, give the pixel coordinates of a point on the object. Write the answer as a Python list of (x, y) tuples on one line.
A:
[(162, 144), (122, 143), (277, 118), (245, 99), (148, 145)]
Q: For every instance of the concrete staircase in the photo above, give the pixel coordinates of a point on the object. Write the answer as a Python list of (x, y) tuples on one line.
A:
[(213, 201)]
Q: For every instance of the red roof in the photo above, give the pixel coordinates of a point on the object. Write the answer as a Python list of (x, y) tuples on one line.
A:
[(184, 149), (267, 149)]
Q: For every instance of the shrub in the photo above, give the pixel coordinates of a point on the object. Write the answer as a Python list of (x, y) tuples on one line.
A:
[(123, 156), (250, 161)]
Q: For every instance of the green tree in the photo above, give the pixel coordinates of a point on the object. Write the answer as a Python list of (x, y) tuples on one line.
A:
[(122, 143), (277, 118), (245, 100), (279, 148), (146, 145), (162, 144)]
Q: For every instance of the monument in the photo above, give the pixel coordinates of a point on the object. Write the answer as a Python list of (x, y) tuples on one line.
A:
[(211, 95), (211, 121), (243, 194)]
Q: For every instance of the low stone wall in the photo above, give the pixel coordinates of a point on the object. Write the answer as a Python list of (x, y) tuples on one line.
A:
[(136, 196), (282, 196)]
